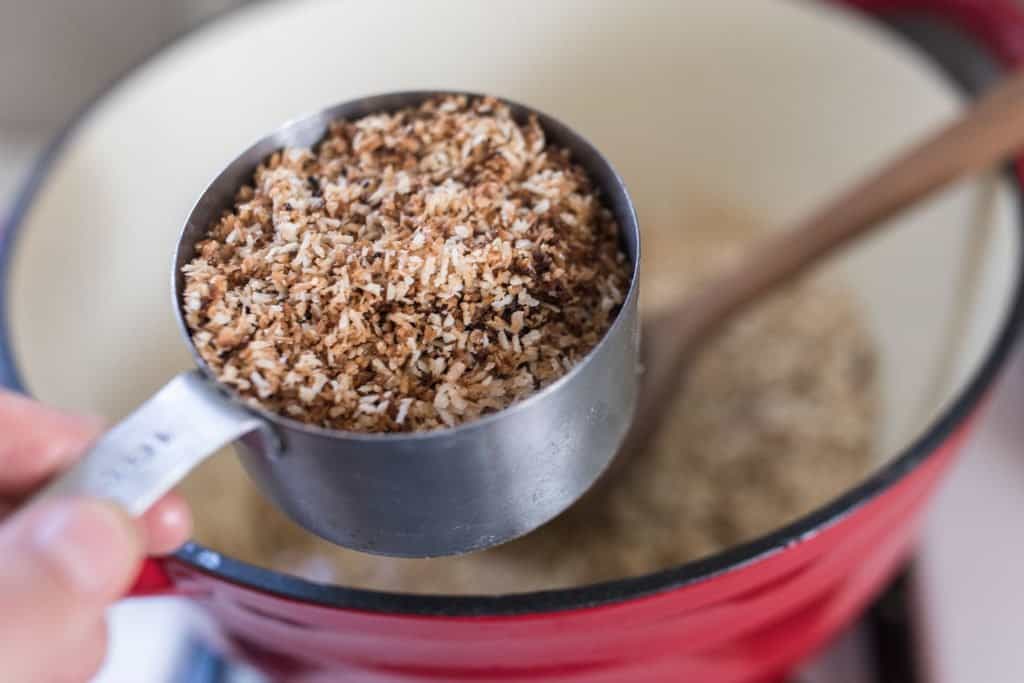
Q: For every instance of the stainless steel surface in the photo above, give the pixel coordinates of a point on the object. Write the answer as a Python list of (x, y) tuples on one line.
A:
[(149, 452), (417, 495)]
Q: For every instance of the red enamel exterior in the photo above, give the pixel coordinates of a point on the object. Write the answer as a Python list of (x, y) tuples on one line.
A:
[(750, 623)]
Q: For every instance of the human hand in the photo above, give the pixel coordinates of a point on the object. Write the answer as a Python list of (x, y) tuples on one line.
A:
[(63, 561)]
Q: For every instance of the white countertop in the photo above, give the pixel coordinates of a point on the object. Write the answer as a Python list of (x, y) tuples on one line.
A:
[(970, 596)]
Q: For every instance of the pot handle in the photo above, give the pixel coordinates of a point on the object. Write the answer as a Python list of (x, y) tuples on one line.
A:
[(145, 455), (152, 580)]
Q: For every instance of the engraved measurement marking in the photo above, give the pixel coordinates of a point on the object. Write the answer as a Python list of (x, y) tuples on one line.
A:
[(598, 413), (133, 458)]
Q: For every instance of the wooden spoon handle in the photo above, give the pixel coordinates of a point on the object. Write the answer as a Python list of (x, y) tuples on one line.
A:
[(988, 133)]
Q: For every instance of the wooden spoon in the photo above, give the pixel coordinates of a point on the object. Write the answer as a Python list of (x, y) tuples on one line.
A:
[(988, 133)]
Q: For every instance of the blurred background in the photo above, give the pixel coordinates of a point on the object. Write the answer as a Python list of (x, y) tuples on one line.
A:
[(58, 54)]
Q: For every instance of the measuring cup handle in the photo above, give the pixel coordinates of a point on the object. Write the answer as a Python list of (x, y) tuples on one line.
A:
[(150, 451)]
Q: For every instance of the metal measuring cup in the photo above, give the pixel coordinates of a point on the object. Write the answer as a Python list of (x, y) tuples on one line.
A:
[(418, 494)]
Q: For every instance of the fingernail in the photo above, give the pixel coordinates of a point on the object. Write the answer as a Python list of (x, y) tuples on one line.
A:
[(91, 543)]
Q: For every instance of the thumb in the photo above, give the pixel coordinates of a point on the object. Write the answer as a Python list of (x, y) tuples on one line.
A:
[(62, 562)]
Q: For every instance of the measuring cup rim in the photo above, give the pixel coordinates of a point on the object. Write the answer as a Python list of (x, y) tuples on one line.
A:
[(629, 230)]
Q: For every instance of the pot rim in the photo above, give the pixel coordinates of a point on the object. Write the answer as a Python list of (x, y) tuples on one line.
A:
[(207, 561)]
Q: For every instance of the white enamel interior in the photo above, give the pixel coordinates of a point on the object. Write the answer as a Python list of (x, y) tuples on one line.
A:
[(767, 105)]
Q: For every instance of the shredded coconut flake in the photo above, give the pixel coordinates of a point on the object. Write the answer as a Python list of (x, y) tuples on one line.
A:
[(414, 270)]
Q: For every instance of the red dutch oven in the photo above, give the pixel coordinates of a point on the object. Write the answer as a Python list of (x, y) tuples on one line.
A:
[(749, 614)]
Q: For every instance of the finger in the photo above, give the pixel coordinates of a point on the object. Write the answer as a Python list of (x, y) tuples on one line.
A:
[(76, 661), (167, 525), (64, 562), (37, 441)]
